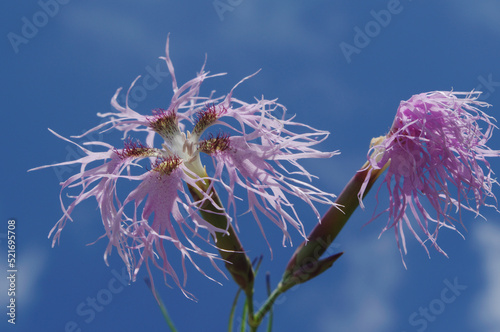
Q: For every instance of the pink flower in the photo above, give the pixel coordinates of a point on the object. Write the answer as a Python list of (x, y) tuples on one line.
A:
[(434, 153), (158, 214)]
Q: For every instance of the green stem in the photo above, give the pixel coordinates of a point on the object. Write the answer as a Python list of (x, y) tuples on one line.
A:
[(257, 319), (244, 318), (163, 309), (233, 310), (229, 245), (249, 300), (268, 288), (333, 221), (321, 237), (249, 295)]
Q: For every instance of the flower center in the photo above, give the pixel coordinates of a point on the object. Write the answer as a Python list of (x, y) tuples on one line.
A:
[(186, 146)]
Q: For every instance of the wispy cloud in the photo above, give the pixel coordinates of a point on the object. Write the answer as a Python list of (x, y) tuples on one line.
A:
[(367, 289), (30, 266), (289, 23), (108, 26), (487, 308), (482, 13)]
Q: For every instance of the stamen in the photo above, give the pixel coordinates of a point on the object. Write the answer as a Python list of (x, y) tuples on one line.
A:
[(164, 123), (214, 144), (165, 166), (135, 150), (207, 117)]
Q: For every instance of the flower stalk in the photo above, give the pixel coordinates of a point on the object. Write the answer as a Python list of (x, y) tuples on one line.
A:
[(229, 246), (305, 263), (436, 145), (161, 305)]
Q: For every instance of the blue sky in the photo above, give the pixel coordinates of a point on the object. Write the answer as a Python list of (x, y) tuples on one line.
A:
[(62, 72)]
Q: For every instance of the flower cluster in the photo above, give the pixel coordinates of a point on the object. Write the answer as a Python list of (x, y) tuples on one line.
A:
[(433, 152), (260, 156)]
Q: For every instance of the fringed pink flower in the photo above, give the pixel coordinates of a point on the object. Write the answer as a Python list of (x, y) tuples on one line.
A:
[(436, 155), (157, 214)]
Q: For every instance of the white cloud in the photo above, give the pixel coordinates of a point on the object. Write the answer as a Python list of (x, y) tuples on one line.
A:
[(368, 288), (483, 12), (487, 307), (30, 265), (288, 23), (108, 27)]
